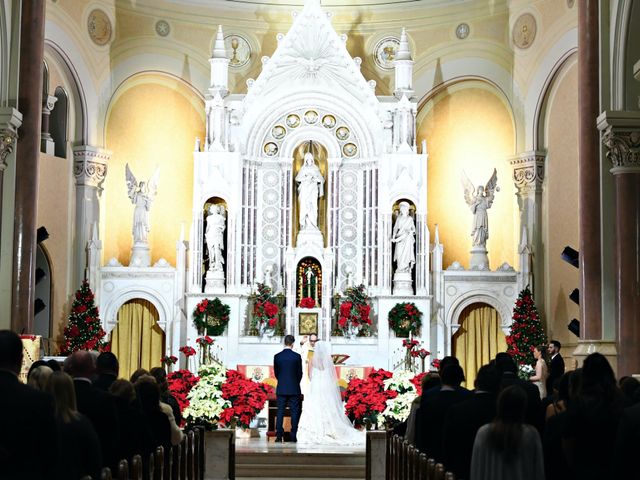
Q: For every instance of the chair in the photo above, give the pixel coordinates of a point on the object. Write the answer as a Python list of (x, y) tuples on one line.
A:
[(123, 470), (136, 467), (105, 474)]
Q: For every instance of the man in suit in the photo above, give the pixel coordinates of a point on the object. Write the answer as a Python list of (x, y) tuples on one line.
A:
[(465, 418), (287, 366), (433, 410), (107, 368), (556, 365), (98, 406), (28, 432)]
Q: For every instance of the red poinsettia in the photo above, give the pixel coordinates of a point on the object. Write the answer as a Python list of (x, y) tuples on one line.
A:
[(168, 360), (180, 384), (247, 399), (417, 382), (206, 340), (188, 351), (366, 399), (307, 302)]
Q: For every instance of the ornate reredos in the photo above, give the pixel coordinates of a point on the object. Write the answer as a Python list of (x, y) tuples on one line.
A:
[(310, 58)]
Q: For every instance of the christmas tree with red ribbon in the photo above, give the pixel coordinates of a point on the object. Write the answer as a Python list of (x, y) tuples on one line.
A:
[(84, 331), (526, 330)]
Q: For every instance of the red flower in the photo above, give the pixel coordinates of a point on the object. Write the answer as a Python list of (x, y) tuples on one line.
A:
[(307, 302), (342, 322), (81, 308), (188, 351), (272, 322), (270, 309), (205, 340), (345, 309)]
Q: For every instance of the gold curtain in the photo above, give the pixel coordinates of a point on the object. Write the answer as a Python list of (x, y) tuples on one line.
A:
[(137, 340), (478, 339)]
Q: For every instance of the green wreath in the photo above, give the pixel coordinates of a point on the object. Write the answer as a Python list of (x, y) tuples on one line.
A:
[(405, 318), (211, 316)]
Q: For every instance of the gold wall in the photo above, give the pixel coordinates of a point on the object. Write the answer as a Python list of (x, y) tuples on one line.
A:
[(152, 122), (560, 205), (469, 127)]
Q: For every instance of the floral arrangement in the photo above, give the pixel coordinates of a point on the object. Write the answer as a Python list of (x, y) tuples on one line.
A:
[(354, 313), (187, 351), (180, 384), (405, 319), (436, 364), (206, 402), (84, 331), (205, 343), (247, 399), (367, 399), (525, 371), (224, 398), (307, 302), (266, 312), (168, 360), (412, 352), (211, 316), (398, 407)]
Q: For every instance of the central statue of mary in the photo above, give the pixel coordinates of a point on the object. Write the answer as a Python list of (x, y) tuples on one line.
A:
[(310, 187)]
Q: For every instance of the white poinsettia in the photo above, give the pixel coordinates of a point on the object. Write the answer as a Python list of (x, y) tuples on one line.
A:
[(398, 408), (205, 398)]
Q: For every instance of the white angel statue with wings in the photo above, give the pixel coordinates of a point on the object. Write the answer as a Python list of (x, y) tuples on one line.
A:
[(480, 200), (141, 195)]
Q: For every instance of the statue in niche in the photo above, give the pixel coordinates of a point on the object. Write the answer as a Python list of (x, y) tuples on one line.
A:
[(214, 236), (141, 195), (404, 233), (480, 200), (310, 189)]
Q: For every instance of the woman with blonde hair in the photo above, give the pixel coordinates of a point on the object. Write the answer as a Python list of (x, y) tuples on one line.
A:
[(80, 455), (39, 377)]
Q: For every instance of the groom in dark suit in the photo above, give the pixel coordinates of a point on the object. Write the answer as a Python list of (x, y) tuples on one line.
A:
[(287, 366)]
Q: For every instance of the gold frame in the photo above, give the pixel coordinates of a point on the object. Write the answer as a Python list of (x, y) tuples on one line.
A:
[(307, 323)]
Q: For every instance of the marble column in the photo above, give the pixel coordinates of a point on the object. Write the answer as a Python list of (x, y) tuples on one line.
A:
[(89, 170), (589, 171), (10, 120), (26, 186), (528, 177), (621, 137)]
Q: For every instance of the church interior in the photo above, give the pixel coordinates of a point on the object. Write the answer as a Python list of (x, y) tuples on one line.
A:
[(287, 160)]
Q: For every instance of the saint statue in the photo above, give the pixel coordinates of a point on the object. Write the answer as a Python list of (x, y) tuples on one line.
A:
[(141, 195), (214, 236), (310, 188), (479, 201), (404, 232)]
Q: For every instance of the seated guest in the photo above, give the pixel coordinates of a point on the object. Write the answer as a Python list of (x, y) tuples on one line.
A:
[(465, 418), (38, 377), (98, 406), (34, 365), (507, 448), (629, 386), (80, 456), (136, 436), (560, 397), (427, 381), (507, 369), (54, 365), (149, 396), (592, 421), (165, 395), (27, 415), (627, 443), (444, 363), (433, 410), (107, 369), (137, 374)]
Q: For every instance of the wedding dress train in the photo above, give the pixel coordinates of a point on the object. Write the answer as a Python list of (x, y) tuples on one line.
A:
[(323, 420)]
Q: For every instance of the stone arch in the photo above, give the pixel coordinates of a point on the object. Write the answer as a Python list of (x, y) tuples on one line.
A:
[(117, 300), (475, 296)]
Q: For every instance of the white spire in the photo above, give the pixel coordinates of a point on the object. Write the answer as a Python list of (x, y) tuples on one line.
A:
[(219, 50), (436, 238), (404, 52)]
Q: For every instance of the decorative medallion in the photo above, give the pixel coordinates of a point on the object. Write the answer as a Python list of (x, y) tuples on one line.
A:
[(270, 149), (524, 31), (278, 132), (350, 149), (99, 27), (163, 28), (462, 31), (384, 53), (349, 214), (271, 178), (328, 121), (342, 133), (270, 232), (238, 49), (349, 233), (270, 214), (293, 121), (311, 116)]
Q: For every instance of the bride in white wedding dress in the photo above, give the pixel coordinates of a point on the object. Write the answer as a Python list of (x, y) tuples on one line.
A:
[(323, 420)]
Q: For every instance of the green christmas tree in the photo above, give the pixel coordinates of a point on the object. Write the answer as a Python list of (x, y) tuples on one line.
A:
[(526, 330), (84, 331)]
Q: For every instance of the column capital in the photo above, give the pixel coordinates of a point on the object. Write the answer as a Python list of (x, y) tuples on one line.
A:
[(621, 136), (90, 165), (10, 121), (528, 171)]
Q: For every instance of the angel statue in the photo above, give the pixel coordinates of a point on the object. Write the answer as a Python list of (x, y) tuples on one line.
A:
[(479, 201), (141, 195)]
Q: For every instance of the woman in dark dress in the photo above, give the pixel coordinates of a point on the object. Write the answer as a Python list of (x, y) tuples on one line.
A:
[(79, 453), (148, 394)]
